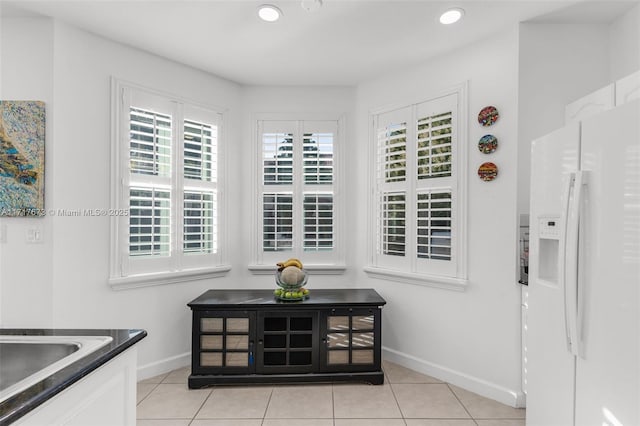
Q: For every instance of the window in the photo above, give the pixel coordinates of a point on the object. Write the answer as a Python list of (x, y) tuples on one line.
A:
[(165, 189), (297, 204), (419, 193)]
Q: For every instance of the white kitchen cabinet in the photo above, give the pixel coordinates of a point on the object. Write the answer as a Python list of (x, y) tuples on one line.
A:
[(594, 103), (105, 397), (628, 88)]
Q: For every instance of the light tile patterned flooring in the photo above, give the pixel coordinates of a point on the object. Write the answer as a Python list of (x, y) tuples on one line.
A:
[(407, 398)]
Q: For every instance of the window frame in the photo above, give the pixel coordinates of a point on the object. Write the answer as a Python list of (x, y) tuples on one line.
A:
[(328, 264), (406, 269), (178, 266)]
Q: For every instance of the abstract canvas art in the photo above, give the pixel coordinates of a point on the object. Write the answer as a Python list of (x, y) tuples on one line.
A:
[(22, 132)]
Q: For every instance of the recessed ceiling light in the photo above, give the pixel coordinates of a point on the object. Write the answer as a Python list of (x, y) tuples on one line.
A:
[(269, 13), (451, 16)]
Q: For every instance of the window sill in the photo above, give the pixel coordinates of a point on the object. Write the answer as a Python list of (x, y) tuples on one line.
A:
[(311, 269), (161, 278), (447, 283)]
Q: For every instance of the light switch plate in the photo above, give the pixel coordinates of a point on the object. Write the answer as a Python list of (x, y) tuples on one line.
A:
[(34, 235)]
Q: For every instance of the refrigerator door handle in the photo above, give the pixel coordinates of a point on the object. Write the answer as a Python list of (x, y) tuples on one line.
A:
[(571, 261), (562, 253), (579, 203)]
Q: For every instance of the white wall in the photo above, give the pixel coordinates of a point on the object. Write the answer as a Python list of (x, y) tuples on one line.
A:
[(469, 338), (26, 73), (624, 42)]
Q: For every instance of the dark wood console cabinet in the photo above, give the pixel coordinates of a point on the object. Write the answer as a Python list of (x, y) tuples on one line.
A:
[(247, 336)]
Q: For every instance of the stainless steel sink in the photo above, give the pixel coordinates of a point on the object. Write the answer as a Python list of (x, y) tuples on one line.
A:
[(27, 360)]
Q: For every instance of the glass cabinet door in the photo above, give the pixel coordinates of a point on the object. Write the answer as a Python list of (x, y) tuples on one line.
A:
[(351, 339), (224, 342)]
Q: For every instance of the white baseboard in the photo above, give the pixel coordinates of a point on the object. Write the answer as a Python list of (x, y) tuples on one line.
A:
[(164, 366), (470, 383)]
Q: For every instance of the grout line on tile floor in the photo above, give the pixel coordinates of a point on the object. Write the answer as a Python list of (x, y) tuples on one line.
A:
[(333, 404), (148, 394), (266, 408), (498, 418), (395, 398), (461, 403), (202, 405)]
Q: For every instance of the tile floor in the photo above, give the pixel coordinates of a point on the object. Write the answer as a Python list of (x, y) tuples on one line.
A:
[(406, 399)]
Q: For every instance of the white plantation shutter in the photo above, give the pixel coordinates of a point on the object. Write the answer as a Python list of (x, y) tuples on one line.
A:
[(199, 233), (200, 180), (169, 184), (392, 152), (393, 224), (200, 151), (416, 187), (434, 224), (150, 167), (297, 194), (150, 160), (318, 221), (150, 142), (436, 186), (318, 158), (277, 160), (149, 222), (392, 133), (434, 146), (318, 207), (277, 222)]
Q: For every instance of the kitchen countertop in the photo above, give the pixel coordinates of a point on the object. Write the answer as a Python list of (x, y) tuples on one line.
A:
[(27, 400)]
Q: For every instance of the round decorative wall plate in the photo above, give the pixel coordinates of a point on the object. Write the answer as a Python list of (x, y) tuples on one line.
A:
[(487, 171), (488, 116), (488, 144)]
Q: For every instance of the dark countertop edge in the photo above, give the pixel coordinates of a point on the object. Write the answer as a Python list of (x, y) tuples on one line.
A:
[(265, 298), (15, 407)]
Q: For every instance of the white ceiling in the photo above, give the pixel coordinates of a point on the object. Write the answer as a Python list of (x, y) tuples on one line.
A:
[(342, 43)]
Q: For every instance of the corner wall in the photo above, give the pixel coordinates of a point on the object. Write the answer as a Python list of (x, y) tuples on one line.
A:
[(469, 338), (295, 100)]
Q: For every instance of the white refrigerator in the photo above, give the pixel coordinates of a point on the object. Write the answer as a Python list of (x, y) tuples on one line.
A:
[(583, 326)]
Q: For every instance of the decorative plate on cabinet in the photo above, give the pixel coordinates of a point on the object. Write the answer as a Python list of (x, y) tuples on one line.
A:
[(487, 171), (488, 116)]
